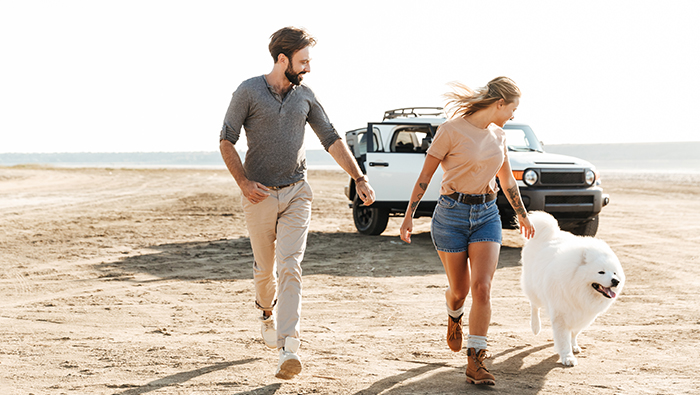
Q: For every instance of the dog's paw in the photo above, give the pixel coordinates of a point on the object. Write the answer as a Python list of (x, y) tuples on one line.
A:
[(577, 349), (568, 360)]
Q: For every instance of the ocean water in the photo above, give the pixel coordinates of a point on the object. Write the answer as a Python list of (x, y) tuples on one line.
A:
[(677, 158), (672, 158), (316, 159)]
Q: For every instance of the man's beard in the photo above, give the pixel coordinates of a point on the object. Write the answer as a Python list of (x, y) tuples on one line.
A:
[(292, 77)]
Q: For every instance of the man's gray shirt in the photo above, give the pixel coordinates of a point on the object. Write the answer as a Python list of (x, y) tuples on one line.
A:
[(274, 129)]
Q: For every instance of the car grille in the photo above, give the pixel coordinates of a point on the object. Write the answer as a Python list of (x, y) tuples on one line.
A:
[(568, 199), (561, 178)]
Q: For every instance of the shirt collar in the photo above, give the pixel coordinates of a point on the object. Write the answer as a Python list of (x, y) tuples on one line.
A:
[(273, 91)]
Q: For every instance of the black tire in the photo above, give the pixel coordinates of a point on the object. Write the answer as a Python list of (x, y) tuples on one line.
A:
[(369, 220), (588, 228)]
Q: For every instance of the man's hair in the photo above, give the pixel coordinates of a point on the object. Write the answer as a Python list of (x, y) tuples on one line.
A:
[(288, 41)]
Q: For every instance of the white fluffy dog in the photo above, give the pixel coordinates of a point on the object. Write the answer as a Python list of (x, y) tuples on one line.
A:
[(573, 278)]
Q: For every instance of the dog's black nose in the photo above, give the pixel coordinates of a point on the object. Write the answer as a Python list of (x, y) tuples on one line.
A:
[(615, 282)]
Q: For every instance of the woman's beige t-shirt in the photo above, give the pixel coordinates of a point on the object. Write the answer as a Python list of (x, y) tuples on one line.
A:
[(470, 157)]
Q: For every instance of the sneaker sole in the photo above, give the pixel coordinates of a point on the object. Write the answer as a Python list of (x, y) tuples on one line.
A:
[(269, 345), (289, 369)]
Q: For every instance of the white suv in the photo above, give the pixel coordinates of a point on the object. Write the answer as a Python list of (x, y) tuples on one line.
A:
[(392, 152)]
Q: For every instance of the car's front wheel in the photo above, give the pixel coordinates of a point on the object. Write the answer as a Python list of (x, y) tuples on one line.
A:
[(588, 228), (369, 220)]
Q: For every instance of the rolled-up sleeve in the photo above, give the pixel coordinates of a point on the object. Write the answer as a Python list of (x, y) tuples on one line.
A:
[(440, 145), (320, 124), (235, 116)]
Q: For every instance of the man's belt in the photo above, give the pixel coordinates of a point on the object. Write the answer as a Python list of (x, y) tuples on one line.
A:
[(284, 186)]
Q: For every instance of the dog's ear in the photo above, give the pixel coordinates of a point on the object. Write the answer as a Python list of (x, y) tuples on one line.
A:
[(590, 250), (586, 256)]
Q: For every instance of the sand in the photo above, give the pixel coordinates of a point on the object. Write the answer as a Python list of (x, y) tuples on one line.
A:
[(140, 281)]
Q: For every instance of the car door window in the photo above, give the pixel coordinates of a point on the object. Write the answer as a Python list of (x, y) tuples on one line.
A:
[(410, 140), (362, 141)]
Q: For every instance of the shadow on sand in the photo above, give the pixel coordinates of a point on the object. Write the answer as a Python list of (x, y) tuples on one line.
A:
[(511, 377), (182, 377), (336, 254)]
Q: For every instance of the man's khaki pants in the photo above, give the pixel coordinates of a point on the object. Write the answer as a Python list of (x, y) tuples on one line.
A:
[(278, 227)]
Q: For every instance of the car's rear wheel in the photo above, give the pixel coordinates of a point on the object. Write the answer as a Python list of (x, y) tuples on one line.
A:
[(369, 220), (588, 228)]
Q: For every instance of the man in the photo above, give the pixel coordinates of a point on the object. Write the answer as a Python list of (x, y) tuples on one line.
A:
[(274, 109)]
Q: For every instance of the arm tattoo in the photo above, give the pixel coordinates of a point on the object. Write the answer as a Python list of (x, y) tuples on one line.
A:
[(414, 204), (515, 201), (423, 186)]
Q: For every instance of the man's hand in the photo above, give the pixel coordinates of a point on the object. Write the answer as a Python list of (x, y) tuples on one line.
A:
[(255, 192), (365, 192), (340, 152)]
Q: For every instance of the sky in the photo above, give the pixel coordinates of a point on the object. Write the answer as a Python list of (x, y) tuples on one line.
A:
[(157, 76)]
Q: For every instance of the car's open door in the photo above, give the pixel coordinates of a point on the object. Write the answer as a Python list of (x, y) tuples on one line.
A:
[(394, 168)]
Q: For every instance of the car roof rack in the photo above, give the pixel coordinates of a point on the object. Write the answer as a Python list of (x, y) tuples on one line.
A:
[(414, 112)]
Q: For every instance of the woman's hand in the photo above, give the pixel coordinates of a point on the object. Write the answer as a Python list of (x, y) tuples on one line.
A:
[(526, 227), (406, 228), (430, 164)]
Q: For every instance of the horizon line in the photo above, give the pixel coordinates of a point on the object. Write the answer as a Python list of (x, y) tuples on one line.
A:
[(311, 149)]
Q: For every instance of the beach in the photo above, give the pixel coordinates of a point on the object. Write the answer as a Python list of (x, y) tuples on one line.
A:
[(135, 281)]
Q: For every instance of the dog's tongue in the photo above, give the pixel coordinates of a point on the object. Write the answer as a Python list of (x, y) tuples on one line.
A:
[(609, 292)]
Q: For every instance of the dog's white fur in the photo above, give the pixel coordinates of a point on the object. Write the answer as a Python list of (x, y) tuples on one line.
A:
[(559, 273)]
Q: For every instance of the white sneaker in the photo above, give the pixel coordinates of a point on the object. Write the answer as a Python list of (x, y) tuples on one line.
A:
[(289, 365), (268, 329)]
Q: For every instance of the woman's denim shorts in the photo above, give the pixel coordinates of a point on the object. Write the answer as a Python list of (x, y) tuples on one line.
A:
[(455, 225)]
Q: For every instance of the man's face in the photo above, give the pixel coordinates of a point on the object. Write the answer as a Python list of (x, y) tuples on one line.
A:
[(299, 65)]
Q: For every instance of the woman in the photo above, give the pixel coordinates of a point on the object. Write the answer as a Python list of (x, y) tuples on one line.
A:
[(466, 225)]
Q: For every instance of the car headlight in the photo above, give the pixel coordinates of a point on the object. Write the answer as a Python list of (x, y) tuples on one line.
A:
[(530, 177), (590, 177)]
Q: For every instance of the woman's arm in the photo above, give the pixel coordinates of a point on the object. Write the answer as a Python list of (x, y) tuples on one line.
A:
[(512, 192), (429, 166)]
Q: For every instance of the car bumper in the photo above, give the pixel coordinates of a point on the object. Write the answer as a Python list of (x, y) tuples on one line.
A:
[(562, 203)]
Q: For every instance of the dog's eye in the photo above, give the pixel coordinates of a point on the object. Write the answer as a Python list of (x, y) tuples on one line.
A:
[(601, 272)]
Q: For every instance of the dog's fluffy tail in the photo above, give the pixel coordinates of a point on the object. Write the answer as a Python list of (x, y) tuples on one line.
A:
[(545, 225)]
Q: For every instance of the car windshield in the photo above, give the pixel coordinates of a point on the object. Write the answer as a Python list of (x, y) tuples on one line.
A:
[(521, 138)]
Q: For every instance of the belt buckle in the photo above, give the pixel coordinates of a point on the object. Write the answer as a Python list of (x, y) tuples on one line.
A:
[(472, 199), (282, 186)]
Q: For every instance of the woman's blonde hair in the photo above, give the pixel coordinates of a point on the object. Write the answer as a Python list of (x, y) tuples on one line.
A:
[(464, 101)]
